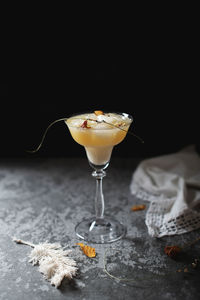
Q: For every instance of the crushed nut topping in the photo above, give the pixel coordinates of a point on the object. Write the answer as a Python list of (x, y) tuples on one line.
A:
[(121, 124)]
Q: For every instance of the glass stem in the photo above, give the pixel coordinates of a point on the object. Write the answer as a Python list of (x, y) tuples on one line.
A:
[(99, 198)]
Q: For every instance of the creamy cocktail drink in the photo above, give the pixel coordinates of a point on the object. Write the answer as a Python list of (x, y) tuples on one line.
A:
[(98, 132)]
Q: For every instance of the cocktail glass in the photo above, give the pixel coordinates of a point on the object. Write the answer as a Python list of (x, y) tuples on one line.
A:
[(99, 132)]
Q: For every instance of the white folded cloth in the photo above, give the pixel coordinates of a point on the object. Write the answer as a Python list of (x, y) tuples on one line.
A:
[(172, 185)]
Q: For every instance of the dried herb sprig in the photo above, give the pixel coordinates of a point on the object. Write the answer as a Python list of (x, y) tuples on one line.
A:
[(53, 261)]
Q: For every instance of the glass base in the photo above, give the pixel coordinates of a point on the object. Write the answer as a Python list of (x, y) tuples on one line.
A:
[(100, 231)]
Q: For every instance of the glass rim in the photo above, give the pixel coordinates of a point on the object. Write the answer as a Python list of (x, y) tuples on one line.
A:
[(106, 112)]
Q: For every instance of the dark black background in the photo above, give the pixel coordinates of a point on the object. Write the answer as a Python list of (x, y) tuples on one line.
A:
[(149, 71)]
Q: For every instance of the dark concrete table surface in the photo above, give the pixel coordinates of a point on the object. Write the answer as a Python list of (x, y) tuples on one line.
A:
[(42, 199)]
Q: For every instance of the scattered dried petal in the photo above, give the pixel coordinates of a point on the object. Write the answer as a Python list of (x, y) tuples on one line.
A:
[(85, 124), (138, 207), (98, 112), (87, 250), (172, 251)]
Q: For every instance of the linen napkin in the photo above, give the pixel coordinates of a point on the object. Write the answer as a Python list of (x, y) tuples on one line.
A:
[(171, 183)]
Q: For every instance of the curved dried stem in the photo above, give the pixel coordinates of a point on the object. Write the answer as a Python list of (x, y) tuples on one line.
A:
[(18, 241), (44, 135), (65, 119)]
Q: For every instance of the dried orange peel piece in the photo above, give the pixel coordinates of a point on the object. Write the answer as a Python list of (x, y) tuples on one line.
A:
[(87, 250), (138, 207), (98, 112)]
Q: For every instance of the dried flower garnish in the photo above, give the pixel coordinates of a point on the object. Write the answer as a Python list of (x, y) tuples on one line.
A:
[(85, 125), (172, 251), (98, 112), (138, 207), (87, 250)]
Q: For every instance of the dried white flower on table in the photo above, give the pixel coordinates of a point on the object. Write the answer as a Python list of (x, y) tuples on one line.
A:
[(52, 260)]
